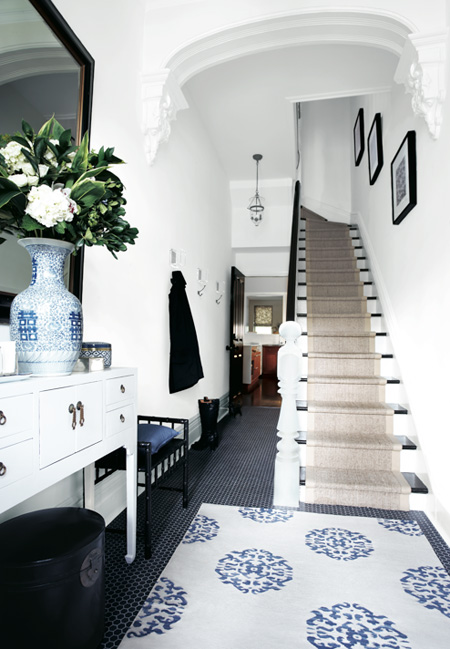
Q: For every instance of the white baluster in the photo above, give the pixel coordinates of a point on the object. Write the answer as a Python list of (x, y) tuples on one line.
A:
[(287, 461)]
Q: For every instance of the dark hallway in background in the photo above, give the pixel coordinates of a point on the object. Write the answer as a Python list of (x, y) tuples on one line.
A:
[(265, 393)]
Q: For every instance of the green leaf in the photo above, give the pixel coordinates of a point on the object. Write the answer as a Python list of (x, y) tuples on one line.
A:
[(65, 139), (87, 193), (20, 140), (40, 146), (26, 128), (60, 227), (9, 192), (30, 224), (80, 161), (31, 159), (47, 128)]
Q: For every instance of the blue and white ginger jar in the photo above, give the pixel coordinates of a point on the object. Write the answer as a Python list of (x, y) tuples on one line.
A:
[(46, 320)]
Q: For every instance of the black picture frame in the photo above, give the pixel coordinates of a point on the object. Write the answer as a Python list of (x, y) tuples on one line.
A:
[(375, 149), (404, 178), (358, 137)]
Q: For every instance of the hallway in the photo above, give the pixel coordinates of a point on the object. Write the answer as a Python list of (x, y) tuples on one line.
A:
[(239, 473), (265, 394)]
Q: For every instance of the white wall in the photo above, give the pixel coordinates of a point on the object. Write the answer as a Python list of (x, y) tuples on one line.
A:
[(412, 274), (180, 202), (326, 157)]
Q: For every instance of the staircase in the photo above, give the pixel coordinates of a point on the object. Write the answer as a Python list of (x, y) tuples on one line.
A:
[(352, 445)]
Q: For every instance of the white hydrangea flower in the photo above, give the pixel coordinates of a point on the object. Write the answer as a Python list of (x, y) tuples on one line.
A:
[(14, 157), (50, 206), (42, 170), (21, 180), (27, 168), (32, 180)]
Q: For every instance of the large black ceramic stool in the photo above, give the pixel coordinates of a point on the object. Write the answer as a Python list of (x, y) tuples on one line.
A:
[(52, 580), (209, 412)]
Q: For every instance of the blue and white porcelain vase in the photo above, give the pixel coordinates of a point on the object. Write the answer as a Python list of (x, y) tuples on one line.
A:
[(46, 320)]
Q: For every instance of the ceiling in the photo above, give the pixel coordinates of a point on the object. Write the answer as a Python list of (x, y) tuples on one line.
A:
[(247, 104)]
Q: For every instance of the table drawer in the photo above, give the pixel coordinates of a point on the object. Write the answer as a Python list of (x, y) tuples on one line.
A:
[(120, 419), (16, 414), (120, 389), (16, 462)]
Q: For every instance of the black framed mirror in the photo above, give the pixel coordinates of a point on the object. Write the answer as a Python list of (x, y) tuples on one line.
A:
[(44, 70)]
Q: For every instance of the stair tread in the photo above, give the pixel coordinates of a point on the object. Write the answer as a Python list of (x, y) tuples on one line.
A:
[(349, 407), (335, 298), (342, 355), (391, 481), (416, 484), (361, 334), (347, 380), (405, 442), (354, 440)]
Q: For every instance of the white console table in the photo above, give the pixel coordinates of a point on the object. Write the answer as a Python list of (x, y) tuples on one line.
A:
[(51, 427)]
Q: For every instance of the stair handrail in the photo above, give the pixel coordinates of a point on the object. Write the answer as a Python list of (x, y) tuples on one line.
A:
[(293, 257), (286, 488)]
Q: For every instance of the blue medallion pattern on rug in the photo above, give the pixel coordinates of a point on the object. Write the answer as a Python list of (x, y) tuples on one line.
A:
[(202, 529), (430, 585), (162, 609), (254, 571), (409, 528), (351, 625), (339, 544), (265, 515)]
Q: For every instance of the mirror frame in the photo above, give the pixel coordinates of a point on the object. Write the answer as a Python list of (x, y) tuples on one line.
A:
[(63, 32)]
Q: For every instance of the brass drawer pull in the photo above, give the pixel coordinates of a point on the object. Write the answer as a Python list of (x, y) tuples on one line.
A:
[(80, 407), (2, 418), (2, 469), (73, 412)]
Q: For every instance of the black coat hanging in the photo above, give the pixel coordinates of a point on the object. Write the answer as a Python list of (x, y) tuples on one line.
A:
[(185, 367)]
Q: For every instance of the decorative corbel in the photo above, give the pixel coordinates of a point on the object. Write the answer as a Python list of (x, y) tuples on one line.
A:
[(422, 70), (162, 98)]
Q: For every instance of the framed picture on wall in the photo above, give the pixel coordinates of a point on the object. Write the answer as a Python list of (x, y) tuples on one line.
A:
[(404, 178), (358, 137), (375, 149)]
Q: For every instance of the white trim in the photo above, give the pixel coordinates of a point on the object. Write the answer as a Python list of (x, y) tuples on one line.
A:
[(385, 30), (341, 94), (330, 212)]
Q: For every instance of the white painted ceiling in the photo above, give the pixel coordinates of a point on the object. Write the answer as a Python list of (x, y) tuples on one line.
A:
[(247, 104)]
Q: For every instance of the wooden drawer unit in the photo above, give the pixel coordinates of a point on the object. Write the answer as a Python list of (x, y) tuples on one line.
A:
[(53, 427), (70, 420), (16, 462), (120, 390), (16, 415), (120, 419)]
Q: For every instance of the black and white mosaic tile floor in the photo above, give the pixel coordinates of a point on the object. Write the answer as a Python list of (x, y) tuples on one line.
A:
[(239, 473)]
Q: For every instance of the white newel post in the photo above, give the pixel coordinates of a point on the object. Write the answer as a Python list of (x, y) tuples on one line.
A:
[(287, 462)]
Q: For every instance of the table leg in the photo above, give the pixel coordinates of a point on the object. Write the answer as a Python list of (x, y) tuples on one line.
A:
[(131, 481)]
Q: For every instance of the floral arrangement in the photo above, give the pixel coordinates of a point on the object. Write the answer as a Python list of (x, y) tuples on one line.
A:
[(52, 188)]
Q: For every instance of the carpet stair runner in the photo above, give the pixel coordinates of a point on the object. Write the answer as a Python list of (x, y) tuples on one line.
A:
[(352, 457)]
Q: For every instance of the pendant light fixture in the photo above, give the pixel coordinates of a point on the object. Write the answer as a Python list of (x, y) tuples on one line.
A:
[(256, 207)]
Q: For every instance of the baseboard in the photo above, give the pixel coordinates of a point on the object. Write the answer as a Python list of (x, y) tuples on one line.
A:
[(329, 212)]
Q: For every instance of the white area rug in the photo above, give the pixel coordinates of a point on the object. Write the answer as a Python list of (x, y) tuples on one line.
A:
[(264, 578)]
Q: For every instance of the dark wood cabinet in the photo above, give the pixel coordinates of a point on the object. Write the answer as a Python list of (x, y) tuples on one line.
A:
[(270, 356)]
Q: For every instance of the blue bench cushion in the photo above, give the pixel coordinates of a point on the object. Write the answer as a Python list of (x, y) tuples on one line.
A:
[(156, 434)]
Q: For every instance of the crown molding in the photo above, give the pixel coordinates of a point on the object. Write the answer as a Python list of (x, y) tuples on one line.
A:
[(385, 31), (162, 98), (421, 70)]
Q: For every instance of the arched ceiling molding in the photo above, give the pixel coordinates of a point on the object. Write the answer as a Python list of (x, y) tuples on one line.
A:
[(161, 91), (31, 62), (162, 99), (422, 71), (303, 28)]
